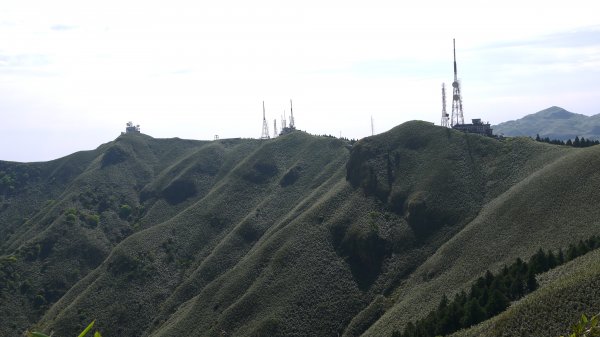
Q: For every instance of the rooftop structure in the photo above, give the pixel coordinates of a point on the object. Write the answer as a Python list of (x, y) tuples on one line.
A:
[(477, 126), (130, 128)]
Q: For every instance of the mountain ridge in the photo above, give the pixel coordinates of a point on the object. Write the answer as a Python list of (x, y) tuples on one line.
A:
[(554, 123), (298, 235)]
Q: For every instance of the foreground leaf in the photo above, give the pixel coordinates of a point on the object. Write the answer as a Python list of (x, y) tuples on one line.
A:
[(89, 327), (37, 334)]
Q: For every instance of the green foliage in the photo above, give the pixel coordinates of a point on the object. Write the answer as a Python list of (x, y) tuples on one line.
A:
[(91, 220), (491, 294), (179, 191), (365, 251), (262, 171), (136, 267), (291, 176), (586, 327), (13, 178), (8, 272), (124, 211), (7, 181), (114, 155), (577, 142), (270, 253), (71, 216)]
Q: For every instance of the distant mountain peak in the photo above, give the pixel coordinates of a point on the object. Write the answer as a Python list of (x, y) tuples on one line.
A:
[(554, 123)]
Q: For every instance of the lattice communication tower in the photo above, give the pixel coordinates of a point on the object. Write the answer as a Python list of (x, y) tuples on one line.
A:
[(457, 106), (265, 128), (445, 116)]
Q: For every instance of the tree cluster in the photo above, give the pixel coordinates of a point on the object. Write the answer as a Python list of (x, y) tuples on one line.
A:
[(577, 142), (351, 141), (492, 293)]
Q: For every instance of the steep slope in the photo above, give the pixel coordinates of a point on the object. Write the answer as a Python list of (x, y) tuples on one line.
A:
[(295, 236), (551, 208), (565, 294), (554, 123), (75, 219), (261, 194)]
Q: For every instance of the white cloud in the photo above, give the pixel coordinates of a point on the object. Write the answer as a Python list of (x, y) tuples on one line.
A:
[(192, 70)]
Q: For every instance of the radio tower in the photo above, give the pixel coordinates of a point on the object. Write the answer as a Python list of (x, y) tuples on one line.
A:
[(265, 128), (457, 108), (275, 128), (292, 124), (283, 122), (444, 113)]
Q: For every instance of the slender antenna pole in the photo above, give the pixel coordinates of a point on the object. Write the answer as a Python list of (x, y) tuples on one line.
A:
[(372, 127), (292, 124)]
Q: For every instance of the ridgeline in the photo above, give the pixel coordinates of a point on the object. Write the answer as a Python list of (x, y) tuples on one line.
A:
[(295, 236)]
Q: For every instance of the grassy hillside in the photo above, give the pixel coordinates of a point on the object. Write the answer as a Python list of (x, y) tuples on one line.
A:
[(566, 293), (550, 209), (295, 236), (554, 123)]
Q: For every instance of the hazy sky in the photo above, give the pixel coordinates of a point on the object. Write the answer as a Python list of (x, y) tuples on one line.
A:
[(72, 73)]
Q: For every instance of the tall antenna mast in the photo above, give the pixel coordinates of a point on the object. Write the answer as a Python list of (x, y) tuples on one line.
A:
[(372, 127), (457, 108), (283, 121), (265, 128), (292, 124), (275, 128), (444, 113)]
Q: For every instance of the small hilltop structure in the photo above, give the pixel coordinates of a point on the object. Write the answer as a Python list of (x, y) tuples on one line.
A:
[(131, 128), (457, 120)]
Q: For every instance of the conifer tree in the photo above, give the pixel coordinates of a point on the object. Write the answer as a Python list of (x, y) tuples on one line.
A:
[(497, 303)]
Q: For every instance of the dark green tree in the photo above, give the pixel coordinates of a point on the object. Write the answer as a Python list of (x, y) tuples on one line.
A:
[(474, 313), (497, 303)]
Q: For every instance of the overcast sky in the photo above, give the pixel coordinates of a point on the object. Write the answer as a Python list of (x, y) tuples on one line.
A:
[(72, 73)]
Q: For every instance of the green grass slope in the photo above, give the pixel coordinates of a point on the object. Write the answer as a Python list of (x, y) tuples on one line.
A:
[(63, 218), (566, 293), (261, 191), (295, 236), (551, 208)]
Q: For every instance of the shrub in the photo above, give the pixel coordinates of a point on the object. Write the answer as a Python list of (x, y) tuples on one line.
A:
[(124, 211), (71, 215), (92, 220)]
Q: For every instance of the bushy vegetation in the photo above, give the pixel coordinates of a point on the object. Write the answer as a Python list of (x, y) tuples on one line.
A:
[(7, 273), (13, 178), (577, 142), (247, 237), (491, 294), (565, 293)]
